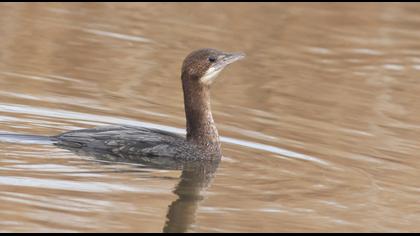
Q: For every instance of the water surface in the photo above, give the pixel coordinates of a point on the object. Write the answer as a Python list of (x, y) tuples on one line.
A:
[(320, 123)]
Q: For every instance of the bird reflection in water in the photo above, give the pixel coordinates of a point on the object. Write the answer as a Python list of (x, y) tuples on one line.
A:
[(196, 176)]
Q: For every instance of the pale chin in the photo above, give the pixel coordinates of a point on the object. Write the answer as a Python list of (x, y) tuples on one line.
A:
[(210, 75)]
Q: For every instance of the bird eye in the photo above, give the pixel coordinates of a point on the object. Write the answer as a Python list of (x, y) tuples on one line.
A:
[(212, 59)]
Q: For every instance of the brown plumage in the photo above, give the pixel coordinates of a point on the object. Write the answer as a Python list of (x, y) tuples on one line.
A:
[(199, 70)]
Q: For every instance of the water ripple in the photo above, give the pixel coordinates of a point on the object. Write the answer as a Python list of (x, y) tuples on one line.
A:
[(63, 184), (64, 114), (118, 36)]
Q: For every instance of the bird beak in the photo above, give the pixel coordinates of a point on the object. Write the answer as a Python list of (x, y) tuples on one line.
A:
[(223, 60), (229, 58)]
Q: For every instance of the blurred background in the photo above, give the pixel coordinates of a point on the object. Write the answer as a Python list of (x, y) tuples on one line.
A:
[(320, 122)]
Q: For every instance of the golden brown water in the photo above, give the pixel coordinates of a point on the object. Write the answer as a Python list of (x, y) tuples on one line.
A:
[(320, 123)]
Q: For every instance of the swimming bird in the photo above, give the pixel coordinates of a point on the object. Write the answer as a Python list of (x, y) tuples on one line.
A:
[(199, 71)]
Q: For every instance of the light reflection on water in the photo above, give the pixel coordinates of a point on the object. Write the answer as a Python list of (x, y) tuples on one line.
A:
[(319, 124), (114, 120)]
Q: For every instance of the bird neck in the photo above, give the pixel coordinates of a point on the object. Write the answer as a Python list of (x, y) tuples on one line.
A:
[(201, 129)]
